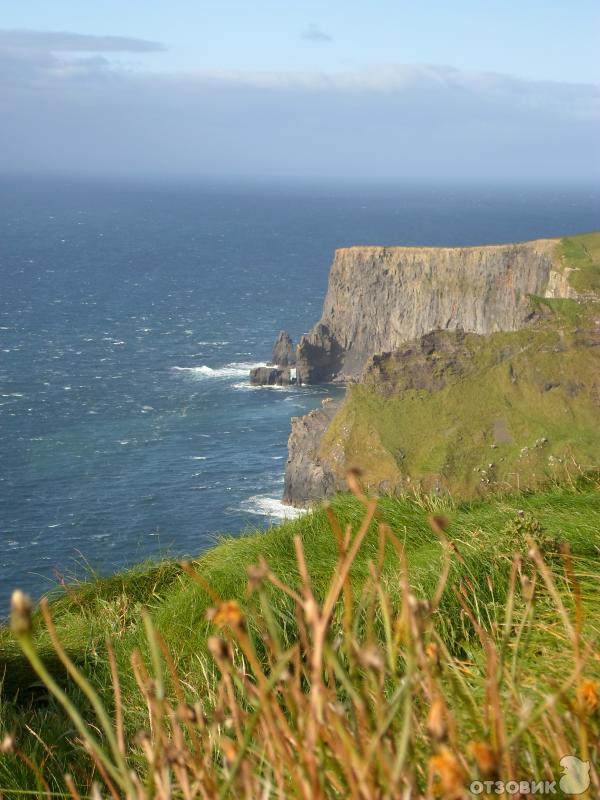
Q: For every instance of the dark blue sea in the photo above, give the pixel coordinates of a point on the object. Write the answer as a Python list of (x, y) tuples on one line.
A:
[(129, 318)]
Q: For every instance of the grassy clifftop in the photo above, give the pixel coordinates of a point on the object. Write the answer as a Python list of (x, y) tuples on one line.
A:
[(581, 256), (471, 414)]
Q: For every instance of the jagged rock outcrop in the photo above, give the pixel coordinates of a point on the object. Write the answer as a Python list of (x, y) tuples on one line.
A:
[(281, 372), (425, 364), (284, 352), (380, 297)]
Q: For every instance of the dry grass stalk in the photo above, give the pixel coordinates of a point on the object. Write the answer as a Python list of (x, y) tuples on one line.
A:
[(366, 701)]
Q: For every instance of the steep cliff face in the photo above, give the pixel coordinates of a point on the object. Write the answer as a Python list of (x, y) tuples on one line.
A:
[(380, 297), (307, 480), (477, 369)]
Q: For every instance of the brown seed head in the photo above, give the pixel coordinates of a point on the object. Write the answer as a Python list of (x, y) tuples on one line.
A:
[(438, 523), (353, 480), (218, 648), (257, 573)]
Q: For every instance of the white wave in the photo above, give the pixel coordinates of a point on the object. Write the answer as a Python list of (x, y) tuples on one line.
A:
[(250, 387), (234, 370), (198, 458), (245, 386), (266, 506)]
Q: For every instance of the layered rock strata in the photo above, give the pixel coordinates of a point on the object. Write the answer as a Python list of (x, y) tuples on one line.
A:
[(380, 297)]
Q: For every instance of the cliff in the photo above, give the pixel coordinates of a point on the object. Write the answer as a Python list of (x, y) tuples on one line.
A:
[(469, 370), (307, 479), (380, 297)]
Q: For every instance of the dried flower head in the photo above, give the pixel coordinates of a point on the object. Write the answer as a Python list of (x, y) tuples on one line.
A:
[(450, 782), (438, 523), (485, 758), (218, 648), (588, 694), (436, 720), (353, 480), (228, 749), (21, 606), (257, 574), (228, 613)]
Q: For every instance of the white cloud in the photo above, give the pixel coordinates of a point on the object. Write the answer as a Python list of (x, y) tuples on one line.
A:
[(65, 42), (76, 112)]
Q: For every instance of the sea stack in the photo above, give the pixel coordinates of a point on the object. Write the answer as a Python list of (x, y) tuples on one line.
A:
[(282, 370)]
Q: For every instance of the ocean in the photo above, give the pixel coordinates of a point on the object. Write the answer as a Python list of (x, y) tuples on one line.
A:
[(130, 315)]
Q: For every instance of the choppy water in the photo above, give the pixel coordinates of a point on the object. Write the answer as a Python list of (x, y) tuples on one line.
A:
[(129, 318)]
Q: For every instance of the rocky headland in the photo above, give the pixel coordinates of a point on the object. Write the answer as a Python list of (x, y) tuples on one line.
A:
[(458, 361)]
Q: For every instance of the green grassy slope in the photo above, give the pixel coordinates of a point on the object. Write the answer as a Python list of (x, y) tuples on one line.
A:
[(485, 532), (515, 410), (581, 255)]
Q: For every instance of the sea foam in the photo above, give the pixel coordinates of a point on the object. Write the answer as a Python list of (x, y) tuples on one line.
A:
[(233, 370), (266, 506)]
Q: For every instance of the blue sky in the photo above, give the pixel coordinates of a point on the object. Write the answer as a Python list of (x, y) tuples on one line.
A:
[(274, 88)]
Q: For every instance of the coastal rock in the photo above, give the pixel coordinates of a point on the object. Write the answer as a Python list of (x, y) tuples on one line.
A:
[(307, 478), (271, 376), (427, 363), (281, 372), (378, 298), (284, 353)]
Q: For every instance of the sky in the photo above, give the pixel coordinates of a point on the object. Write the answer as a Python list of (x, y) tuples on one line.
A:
[(337, 89)]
